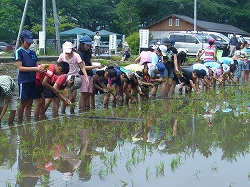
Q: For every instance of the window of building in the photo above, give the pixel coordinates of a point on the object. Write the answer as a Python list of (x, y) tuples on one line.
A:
[(170, 23), (177, 22)]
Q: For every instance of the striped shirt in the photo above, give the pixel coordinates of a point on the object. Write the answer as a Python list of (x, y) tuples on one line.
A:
[(210, 53), (8, 85)]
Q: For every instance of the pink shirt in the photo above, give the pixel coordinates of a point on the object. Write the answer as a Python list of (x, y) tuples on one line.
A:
[(145, 56), (73, 62)]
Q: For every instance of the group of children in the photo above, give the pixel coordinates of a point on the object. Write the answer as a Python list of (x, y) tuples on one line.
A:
[(44, 83), (159, 68)]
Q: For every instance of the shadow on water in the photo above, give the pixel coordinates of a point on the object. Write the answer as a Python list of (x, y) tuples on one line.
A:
[(191, 141)]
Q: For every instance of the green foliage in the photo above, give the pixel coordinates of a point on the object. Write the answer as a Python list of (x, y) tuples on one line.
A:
[(121, 16), (133, 41), (10, 20), (128, 16), (50, 25)]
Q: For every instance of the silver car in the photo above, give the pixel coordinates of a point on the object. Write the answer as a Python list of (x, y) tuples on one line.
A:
[(4, 46), (190, 41)]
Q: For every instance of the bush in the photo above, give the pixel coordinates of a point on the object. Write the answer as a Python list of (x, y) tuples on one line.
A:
[(134, 42)]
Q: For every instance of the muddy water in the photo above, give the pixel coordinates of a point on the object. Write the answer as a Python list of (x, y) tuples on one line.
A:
[(178, 142), (192, 141)]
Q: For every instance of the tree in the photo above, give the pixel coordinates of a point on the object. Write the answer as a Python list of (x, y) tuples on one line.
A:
[(10, 16), (128, 17)]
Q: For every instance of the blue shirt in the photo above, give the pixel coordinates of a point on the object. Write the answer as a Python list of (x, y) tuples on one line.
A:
[(28, 59), (154, 58), (226, 60)]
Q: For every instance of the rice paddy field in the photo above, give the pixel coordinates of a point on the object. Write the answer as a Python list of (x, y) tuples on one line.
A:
[(197, 140)]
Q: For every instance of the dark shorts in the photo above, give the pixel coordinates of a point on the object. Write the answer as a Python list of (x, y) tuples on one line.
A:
[(48, 93), (39, 91), (27, 91)]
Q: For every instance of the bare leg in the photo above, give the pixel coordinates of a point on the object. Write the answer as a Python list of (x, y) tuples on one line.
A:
[(63, 107), (11, 117), (28, 109), (55, 106), (73, 100)]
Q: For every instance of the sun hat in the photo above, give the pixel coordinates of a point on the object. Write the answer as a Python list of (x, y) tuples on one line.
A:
[(151, 69), (67, 176), (129, 74), (126, 44), (154, 47), (67, 47), (163, 49), (86, 39), (27, 36), (76, 84)]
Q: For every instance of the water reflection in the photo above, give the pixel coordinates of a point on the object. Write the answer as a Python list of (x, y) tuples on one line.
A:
[(111, 144)]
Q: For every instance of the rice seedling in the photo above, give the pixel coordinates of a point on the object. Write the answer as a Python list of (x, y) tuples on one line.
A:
[(197, 174), (8, 184), (123, 183), (175, 163), (160, 169), (214, 168)]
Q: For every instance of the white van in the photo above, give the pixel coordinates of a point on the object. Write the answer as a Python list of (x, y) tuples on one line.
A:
[(187, 40)]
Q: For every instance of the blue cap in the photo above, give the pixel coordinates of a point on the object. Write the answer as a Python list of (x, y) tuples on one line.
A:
[(86, 39), (27, 36)]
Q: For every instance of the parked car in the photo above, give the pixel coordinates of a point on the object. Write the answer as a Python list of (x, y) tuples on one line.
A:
[(221, 41), (247, 39), (4, 46), (188, 40)]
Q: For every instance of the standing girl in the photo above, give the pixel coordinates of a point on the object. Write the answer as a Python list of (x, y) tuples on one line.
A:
[(87, 83), (26, 61)]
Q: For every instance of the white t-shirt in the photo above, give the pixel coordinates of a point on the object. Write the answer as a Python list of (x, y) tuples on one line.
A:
[(97, 40)]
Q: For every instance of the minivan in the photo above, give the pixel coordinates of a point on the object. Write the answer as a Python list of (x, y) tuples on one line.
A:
[(190, 41), (221, 41)]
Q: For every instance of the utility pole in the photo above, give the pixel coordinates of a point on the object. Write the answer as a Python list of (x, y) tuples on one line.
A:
[(44, 26), (22, 23), (58, 44), (195, 14)]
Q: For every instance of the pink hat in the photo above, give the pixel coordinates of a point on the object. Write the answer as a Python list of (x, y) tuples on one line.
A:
[(67, 47)]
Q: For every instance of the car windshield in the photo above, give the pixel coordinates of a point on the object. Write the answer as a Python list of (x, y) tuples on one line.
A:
[(226, 39), (205, 37), (200, 38)]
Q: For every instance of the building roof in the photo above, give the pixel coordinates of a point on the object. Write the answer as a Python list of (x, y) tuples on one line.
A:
[(209, 26)]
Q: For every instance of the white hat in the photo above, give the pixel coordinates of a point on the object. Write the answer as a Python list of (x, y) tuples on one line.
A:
[(163, 49), (125, 44), (154, 47), (151, 69), (129, 74), (67, 47), (67, 176)]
